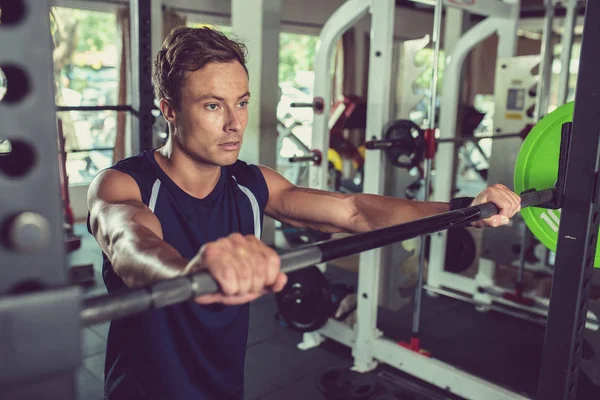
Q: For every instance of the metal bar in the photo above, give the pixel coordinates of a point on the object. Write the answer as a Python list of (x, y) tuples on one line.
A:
[(126, 108), (567, 47), (448, 119), (227, 16), (141, 80), (299, 143), (479, 138), (40, 347), (378, 114), (438, 373), (576, 247), (437, 26), (545, 70), (316, 158), (88, 150), (435, 372), (343, 18), (172, 291), (383, 144), (487, 8), (521, 266), (470, 300)]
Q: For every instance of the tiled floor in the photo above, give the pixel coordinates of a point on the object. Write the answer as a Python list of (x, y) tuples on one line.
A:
[(493, 346)]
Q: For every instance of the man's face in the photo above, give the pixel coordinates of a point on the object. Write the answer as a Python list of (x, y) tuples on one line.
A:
[(213, 113)]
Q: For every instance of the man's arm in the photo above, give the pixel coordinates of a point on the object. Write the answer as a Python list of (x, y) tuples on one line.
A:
[(131, 236), (337, 212), (128, 231)]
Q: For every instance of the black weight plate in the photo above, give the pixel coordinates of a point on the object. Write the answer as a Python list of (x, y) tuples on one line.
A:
[(343, 384), (410, 151), (460, 250), (305, 301)]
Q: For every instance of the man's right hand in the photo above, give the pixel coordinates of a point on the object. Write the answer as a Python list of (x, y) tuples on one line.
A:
[(243, 266)]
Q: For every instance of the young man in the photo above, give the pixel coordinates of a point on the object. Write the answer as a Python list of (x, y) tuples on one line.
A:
[(192, 205)]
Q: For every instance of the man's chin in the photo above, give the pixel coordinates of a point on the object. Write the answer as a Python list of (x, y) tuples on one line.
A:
[(230, 159)]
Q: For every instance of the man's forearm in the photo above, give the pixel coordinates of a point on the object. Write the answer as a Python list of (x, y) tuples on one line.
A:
[(139, 257), (374, 212)]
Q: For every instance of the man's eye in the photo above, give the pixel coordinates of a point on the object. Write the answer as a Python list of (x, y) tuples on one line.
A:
[(243, 104), (212, 107)]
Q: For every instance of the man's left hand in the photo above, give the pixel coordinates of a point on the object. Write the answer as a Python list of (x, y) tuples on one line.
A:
[(507, 201)]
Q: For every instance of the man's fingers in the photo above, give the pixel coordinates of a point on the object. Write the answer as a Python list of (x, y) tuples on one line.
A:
[(280, 282), (240, 299), (227, 279), (209, 298)]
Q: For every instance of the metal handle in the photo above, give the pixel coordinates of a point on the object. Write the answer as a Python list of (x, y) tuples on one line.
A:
[(301, 105), (384, 144), (183, 288), (528, 199), (315, 157)]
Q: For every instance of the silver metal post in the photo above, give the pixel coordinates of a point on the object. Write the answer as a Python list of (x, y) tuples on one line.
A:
[(567, 47), (437, 25), (521, 268), (543, 87)]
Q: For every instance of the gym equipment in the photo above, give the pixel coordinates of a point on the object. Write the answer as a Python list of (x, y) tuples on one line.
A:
[(429, 152), (173, 291), (317, 105), (404, 142), (304, 301), (461, 250), (537, 160), (343, 384), (308, 300)]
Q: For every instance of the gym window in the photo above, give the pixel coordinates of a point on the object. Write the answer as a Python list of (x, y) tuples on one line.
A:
[(87, 52)]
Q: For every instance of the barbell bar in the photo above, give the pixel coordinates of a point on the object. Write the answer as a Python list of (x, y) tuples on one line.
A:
[(385, 144), (172, 291)]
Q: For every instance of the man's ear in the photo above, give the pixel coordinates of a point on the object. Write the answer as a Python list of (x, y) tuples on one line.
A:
[(168, 111)]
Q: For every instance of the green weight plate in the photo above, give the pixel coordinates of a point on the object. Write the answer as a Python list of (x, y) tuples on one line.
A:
[(537, 168)]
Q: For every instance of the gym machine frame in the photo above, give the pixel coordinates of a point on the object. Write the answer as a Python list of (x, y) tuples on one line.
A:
[(367, 342), (32, 254), (482, 290)]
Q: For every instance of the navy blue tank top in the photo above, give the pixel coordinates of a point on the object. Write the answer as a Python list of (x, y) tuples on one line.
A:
[(185, 351)]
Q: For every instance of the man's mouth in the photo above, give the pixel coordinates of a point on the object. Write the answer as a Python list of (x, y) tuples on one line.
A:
[(230, 145)]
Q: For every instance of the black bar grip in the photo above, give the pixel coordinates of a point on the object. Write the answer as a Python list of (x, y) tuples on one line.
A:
[(310, 157), (160, 294), (527, 199), (302, 105), (317, 105), (487, 210), (314, 156), (383, 144), (537, 197)]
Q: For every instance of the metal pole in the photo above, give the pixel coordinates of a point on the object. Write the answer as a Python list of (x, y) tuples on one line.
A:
[(437, 25), (543, 87), (173, 291), (577, 234), (567, 47), (521, 268)]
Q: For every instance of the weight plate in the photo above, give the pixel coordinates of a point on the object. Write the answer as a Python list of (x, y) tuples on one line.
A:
[(537, 168), (409, 153), (342, 384), (305, 301)]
